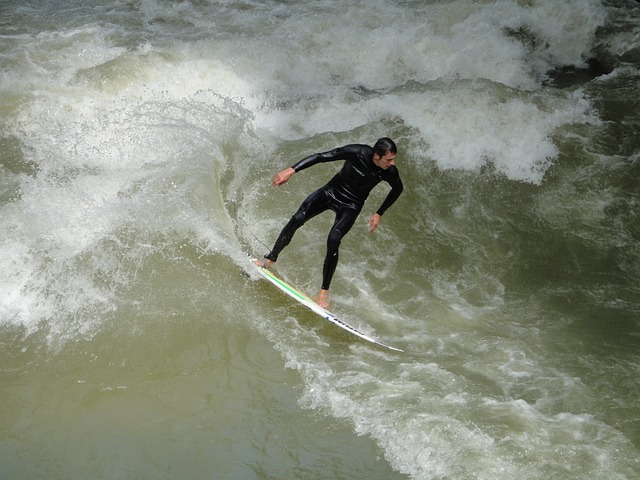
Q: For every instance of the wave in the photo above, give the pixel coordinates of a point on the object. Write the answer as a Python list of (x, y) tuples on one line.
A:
[(138, 143)]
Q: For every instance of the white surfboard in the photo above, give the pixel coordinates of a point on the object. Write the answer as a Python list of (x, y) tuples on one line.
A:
[(313, 306)]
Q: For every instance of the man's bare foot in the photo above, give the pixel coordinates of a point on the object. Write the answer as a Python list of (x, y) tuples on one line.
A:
[(265, 263), (323, 298)]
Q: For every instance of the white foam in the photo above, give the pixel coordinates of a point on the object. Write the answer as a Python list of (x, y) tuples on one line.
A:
[(138, 159), (139, 136), (295, 96)]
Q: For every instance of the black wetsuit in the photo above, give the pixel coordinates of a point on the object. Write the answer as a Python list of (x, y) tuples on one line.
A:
[(345, 194)]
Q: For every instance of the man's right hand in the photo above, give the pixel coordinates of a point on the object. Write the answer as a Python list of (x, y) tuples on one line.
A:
[(283, 176)]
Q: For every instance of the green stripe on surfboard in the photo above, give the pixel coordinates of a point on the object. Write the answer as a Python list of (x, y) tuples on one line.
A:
[(286, 286)]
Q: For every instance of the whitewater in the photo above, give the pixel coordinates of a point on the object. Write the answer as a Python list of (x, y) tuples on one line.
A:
[(138, 141)]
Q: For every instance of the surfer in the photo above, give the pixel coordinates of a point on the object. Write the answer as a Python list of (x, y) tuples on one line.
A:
[(344, 194)]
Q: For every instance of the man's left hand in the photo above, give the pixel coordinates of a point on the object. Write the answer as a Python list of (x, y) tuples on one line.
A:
[(374, 222)]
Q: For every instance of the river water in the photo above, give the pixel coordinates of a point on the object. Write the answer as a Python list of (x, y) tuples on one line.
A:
[(138, 140)]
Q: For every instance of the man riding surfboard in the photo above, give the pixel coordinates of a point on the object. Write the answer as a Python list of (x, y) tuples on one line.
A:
[(364, 167)]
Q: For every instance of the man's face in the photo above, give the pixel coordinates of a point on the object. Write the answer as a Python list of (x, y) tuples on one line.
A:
[(388, 160)]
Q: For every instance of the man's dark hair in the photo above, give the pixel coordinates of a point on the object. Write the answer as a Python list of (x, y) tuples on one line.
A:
[(383, 146)]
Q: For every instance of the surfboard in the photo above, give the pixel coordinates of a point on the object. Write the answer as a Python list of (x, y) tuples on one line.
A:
[(313, 306)]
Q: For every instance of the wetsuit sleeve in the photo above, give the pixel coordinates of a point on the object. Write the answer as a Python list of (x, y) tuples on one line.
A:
[(396, 190), (306, 162), (340, 153)]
